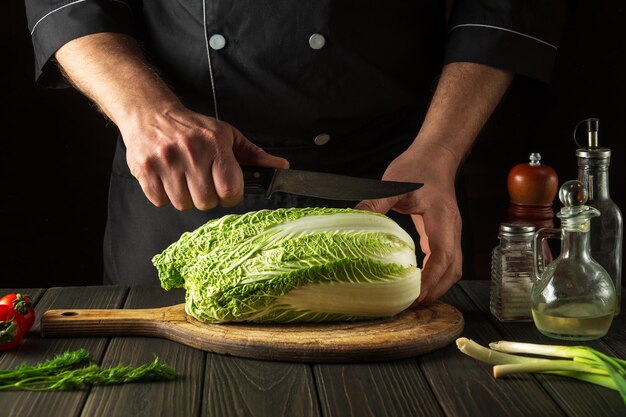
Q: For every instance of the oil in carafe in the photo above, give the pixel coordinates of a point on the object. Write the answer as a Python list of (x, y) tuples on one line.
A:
[(574, 321), (574, 297)]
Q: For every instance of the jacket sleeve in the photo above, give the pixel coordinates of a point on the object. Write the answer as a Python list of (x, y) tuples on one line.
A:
[(516, 35), (53, 23)]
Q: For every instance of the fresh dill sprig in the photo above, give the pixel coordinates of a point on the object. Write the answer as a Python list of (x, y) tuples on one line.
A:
[(59, 363), (72, 370)]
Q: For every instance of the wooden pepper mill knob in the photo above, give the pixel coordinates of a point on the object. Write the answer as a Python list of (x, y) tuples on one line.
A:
[(532, 188)]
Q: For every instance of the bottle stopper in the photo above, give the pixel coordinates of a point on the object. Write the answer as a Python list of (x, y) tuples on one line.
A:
[(574, 212)]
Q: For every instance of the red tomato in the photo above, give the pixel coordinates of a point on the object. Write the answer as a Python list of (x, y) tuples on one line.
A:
[(10, 332), (23, 306)]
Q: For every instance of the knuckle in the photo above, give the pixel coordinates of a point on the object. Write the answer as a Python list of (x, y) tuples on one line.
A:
[(210, 135), (141, 167), (207, 204), (206, 201), (181, 205), (230, 203), (166, 151), (159, 201), (367, 205), (230, 197)]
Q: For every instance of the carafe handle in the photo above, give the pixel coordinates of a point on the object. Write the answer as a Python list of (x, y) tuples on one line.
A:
[(540, 237)]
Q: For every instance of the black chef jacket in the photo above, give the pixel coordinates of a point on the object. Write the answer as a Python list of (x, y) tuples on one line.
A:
[(331, 85)]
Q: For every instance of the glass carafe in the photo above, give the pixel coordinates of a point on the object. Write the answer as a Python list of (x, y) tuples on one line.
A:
[(574, 297)]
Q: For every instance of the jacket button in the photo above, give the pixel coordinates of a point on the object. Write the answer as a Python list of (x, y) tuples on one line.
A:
[(322, 139), (317, 41), (217, 42)]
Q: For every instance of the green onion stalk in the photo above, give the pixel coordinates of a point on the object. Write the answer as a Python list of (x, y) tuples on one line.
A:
[(580, 362)]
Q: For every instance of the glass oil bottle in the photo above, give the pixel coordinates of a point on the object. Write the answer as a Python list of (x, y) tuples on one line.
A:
[(574, 297), (607, 229)]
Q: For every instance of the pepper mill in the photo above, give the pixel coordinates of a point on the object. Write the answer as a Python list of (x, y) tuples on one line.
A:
[(532, 188)]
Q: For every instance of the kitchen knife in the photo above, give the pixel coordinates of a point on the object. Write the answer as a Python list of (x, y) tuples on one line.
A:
[(322, 185)]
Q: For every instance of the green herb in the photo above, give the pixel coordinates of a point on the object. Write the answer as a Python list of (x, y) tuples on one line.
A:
[(59, 363), (580, 362), (72, 370)]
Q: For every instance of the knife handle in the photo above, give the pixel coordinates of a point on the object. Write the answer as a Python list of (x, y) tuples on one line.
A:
[(258, 177)]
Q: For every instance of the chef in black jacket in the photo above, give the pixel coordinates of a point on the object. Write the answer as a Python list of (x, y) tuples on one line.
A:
[(198, 87)]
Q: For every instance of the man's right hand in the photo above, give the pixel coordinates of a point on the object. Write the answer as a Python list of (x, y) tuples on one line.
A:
[(178, 156), (190, 160)]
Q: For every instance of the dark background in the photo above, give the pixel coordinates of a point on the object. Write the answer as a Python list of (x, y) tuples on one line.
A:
[(56, 149)]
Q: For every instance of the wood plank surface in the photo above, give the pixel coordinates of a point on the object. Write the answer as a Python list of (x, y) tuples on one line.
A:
[(575, 397), (442, 383), (394, 388), (35, 349), (180, 397), (237, 387), (465, 387)]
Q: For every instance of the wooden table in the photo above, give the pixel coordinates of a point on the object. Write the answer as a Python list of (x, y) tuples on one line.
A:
[(442, 383)]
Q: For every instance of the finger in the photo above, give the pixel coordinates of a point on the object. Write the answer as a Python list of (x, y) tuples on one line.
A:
[(433, 271), (444, 266), (418, 221), (227, 179), (152, 187), (175, 185), (202, 189), (196, 158), (247, 153), (381, 205), (447, 280)]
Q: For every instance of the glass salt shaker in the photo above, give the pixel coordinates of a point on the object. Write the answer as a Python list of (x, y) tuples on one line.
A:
[(512, 272), (573, 298)]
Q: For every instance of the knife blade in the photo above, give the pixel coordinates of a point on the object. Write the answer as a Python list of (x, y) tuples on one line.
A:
[(322, 185)]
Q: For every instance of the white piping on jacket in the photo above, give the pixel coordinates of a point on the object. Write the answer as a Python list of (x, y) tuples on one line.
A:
[(504, 29), (63, 7), (208, 55)]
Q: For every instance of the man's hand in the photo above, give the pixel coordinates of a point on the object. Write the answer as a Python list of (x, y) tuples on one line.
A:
[(465, 97), (190, 160), (435, 213), (178, 156)]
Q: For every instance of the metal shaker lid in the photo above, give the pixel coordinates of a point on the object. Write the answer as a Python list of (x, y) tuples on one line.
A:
[(516, 229)]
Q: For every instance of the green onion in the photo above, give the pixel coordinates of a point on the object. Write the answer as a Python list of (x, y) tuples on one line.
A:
[(580, 362)]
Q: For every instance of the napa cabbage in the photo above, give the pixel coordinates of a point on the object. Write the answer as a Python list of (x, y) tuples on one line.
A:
[(293, 264)]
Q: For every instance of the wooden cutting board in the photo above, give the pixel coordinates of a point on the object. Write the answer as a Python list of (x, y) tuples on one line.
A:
[(413, 332)]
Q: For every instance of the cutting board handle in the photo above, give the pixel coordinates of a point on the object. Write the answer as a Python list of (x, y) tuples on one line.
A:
[(110, 322)]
